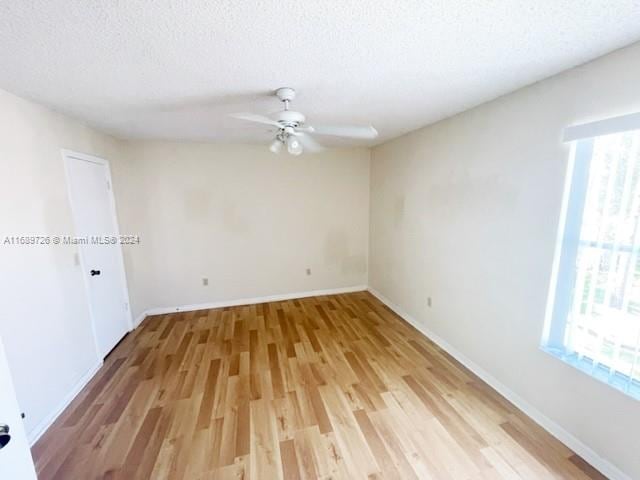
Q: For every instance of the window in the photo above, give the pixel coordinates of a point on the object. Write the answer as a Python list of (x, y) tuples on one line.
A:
[(593, 318)]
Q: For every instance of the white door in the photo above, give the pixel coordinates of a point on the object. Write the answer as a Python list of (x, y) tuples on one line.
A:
[(95, 228), (15, 456)]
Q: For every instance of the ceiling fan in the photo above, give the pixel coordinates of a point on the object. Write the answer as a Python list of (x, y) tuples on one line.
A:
[(294, 134)]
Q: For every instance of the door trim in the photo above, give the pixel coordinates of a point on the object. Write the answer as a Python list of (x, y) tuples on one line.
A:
[(69, 156)]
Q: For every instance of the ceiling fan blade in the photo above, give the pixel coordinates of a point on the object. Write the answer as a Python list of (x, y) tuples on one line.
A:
[(309, 144), (254, 117), (350, 131)]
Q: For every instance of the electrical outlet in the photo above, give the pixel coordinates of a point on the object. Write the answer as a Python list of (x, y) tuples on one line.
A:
[(429, 302), (308, 271), (205, 281)]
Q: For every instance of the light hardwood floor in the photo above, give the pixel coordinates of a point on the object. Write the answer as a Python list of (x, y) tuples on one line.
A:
[(323, 387)]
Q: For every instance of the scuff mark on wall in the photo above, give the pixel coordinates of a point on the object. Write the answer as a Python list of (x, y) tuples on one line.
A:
[(337, 252), (336, 247), (354, 264)]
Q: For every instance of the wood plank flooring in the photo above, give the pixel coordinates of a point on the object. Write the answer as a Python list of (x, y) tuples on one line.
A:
[(326, 387)]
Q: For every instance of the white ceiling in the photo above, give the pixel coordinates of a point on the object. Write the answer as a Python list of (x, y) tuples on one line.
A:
[(175, 69)]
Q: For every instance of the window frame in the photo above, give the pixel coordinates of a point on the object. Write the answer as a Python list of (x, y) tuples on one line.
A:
[(563, 275)]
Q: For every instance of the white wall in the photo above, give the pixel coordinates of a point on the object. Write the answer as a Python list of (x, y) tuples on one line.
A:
[(466, 211), (44, 318), (250, 221)]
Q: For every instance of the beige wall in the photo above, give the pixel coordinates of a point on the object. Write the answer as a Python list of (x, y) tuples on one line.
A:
[(466, 211), (44, 317), (249, 221)]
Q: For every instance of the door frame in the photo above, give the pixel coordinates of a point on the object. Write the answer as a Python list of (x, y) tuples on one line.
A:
[(69, 156)]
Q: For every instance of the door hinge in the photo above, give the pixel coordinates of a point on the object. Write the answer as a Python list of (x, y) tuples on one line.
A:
[(108, 185), (126, 306)]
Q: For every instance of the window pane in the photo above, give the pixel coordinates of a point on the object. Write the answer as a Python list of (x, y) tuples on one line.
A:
[(603, 322)]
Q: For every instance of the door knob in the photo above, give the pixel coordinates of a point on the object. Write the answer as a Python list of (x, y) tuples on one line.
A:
[(4, 435), (95, 272)]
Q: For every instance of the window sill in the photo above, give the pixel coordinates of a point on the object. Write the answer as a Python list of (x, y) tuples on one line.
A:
[(598, 371)]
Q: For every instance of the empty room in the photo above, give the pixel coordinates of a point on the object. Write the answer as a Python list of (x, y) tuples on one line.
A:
[(291, 240)]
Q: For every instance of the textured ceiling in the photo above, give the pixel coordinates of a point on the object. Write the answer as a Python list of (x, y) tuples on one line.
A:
[(175, 69)]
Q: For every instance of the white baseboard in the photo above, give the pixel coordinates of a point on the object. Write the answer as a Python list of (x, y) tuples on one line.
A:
[(138, 320), (246, 301), (36, 432), (603, 465)]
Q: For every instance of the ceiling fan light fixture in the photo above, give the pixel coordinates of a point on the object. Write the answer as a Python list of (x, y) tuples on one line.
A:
[(294, 146), (294, 132), (276, 146)]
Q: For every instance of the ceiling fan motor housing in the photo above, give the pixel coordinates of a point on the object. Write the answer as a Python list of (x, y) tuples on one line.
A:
[(289, 118)]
